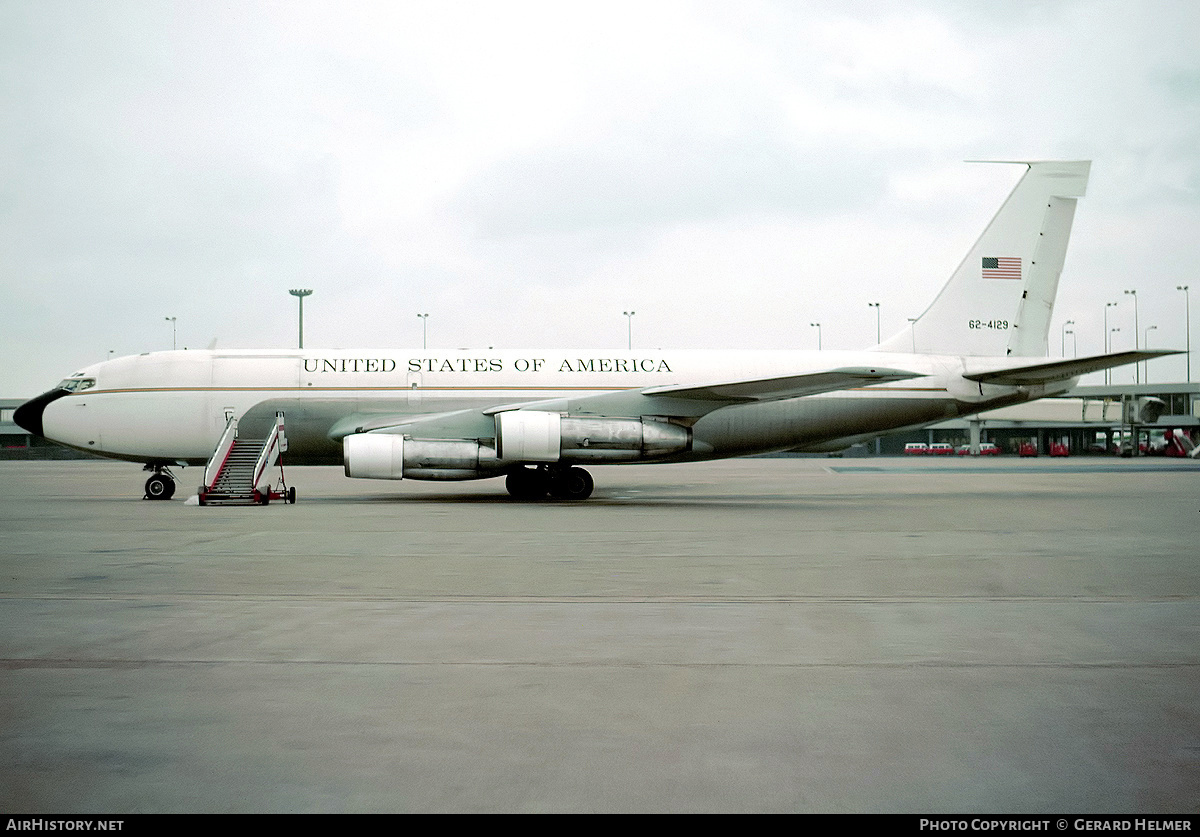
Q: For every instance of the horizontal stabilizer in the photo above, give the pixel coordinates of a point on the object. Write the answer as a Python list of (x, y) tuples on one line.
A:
[(1061, 370), (788, 386)]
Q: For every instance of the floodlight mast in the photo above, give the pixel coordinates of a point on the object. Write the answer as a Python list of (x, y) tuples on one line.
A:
[(1137, 367), (300, 293), (1187, 322)]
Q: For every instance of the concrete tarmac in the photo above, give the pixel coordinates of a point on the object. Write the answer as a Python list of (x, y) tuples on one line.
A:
[(868, 635)]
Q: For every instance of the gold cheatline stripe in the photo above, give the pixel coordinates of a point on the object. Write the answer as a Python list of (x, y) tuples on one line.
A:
[(298, 388), (353, 389)]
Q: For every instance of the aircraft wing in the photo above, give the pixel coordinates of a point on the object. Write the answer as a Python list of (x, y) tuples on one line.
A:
[(1061, 370), (459, 423), (788, 386), (682, 401)]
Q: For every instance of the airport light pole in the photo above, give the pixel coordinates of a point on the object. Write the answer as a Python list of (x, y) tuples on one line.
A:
[(629, 325), (817, 326), (300, 293), (1111, 331), (1187, 324), (875, 305), (1107, 349), (424, 318), (1137, 368), (171, 320), (1064, 336), (1074, 343), (1146, 344)]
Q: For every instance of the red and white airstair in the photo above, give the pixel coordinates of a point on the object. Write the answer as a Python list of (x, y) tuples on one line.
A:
[(1179, 443), (234, 476)]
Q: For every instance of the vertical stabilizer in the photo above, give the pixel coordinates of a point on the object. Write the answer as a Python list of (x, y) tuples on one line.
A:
[(1000, 299)]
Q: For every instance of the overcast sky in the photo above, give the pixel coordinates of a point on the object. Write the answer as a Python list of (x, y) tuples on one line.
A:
[(525, 172)]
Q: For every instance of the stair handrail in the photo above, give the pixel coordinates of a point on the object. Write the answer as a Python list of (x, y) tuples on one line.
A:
[(275, 442), (217, 463)]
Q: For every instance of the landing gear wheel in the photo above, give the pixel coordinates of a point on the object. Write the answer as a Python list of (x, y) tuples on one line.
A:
[(160, 487), (527, 483), (573, 484), (291, 496)]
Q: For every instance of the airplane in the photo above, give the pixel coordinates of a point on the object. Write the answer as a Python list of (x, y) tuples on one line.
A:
[(537, 417)]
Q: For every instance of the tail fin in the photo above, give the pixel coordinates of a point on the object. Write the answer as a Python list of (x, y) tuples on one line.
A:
[(1000, 299)]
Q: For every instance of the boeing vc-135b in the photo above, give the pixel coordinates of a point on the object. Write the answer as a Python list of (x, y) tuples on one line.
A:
[(535, 417)]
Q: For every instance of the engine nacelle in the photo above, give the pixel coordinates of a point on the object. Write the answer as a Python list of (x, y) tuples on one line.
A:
[(381, 456), (536, 436)]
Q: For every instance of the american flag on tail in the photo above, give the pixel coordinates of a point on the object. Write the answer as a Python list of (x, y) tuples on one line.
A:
[(1001, 267)]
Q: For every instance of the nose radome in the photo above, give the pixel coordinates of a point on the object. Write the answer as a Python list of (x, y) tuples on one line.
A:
[(29, 415)]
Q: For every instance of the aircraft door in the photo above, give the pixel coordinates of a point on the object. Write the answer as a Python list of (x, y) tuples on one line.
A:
[(243, 380), (414, 389)]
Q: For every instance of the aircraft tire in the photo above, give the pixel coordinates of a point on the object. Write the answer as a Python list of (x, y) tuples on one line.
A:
[(160, 487), (291, 496), (526, 484), (573, 484)]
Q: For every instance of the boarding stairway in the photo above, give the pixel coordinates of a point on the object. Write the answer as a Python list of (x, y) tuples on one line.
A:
[(235, 472), (1178, 443)]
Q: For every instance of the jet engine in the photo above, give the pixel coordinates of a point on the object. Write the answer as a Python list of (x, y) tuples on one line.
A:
[(536, 436), (381, 456), (522, 436)]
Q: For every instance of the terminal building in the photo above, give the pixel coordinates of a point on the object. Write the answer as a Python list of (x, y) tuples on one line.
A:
[(1086, 420)]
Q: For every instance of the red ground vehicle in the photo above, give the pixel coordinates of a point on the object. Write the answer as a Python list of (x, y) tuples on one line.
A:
[(1059, 449), (1027, 449)]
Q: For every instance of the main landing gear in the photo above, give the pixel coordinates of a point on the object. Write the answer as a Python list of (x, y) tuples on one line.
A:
[(560, 483), (160, 486)]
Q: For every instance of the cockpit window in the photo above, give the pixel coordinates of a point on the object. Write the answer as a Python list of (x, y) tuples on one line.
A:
[(77, 384)]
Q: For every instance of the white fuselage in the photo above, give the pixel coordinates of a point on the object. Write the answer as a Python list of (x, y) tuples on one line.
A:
[(536, 416), (173, 406)]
